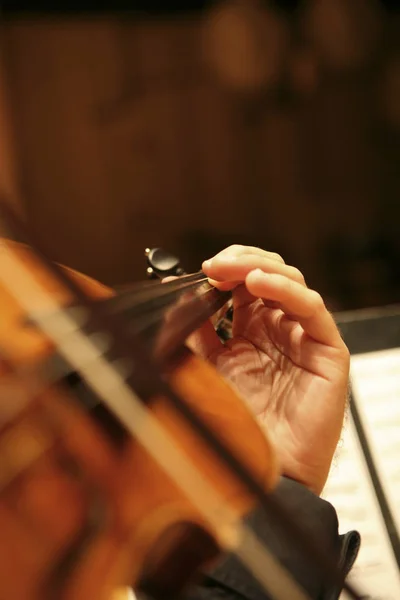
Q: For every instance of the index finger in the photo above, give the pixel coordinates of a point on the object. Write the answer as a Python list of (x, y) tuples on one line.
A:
[(302, 304), (226, 268), (238, 250)]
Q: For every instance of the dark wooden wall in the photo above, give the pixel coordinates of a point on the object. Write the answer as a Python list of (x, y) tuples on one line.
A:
[(124, 139)]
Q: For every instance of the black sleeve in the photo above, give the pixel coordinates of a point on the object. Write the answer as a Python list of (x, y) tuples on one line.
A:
[(229, 580)]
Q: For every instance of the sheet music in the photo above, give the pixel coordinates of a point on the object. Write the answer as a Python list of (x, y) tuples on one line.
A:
[(376, 389)]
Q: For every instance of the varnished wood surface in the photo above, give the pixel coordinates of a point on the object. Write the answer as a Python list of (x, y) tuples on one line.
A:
[(140, 499)]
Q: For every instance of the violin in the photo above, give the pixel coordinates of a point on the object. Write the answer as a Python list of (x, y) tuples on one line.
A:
[(124, 461), (81, 514)]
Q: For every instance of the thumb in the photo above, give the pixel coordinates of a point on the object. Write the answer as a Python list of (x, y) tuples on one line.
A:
[(205, 342)]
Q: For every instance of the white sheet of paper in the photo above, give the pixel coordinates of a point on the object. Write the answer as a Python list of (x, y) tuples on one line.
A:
[(376, 386), (376, 389)]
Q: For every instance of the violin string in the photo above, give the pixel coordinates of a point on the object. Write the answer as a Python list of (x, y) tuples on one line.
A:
[(147, 313), (184, 318), (160, 294), (152, 288), (81, 352), (137, 310), (298, 535), (147, 285), (148, 290), (163, 337)]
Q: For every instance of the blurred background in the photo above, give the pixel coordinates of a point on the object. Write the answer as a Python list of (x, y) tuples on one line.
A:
[(271, 123)]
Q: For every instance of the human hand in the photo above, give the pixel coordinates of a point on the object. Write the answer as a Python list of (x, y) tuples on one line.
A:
[(286, 358)]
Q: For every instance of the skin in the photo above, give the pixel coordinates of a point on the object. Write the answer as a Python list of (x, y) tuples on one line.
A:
[(286, 359)]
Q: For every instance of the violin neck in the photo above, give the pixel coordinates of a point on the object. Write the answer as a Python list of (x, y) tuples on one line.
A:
[(165, 315)]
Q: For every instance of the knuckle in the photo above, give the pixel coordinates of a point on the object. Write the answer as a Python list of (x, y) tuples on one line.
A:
[(346, 355), (342, 358), (284, 283), (297, 275), (277, 257), (344, 352), (229, 251), (234, 248), (316, 301)]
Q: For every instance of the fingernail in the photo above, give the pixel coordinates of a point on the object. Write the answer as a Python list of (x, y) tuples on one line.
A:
[(260, 273), (223, 260), (206, 264)]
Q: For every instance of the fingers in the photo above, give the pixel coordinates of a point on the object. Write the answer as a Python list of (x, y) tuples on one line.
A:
[(230, 267), (238, 250), (296, 300), (235, 269), (265, 275)]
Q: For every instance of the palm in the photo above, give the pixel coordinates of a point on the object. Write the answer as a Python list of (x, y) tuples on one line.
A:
[(288, 380)]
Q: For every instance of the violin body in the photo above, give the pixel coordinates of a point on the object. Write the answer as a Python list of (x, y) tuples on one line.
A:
[(81, 516)]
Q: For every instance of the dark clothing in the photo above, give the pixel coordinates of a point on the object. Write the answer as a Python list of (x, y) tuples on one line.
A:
[(231, 581)]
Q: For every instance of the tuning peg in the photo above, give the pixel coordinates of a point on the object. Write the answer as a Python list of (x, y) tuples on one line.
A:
[(162, 263)]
